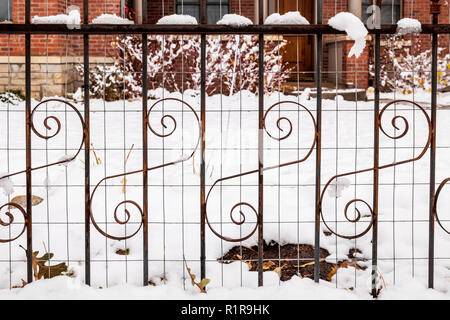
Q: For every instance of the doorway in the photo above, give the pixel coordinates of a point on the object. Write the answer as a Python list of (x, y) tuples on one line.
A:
[(298, 53)]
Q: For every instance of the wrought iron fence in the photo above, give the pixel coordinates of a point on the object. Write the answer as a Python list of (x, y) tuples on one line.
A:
[(368, 208)]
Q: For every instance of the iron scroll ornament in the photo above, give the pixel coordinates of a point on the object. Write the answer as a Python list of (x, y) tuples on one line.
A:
[(163, 120), (435, 203), (240, 205), (394, 124), (47, 122)]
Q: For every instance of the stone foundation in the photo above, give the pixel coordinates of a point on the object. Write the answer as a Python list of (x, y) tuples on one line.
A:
[(50, 76)]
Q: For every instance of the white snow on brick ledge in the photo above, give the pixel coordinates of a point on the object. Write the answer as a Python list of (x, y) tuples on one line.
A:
[(292, 17), (235, 20), (111, 19), (178, 19), (57, 19), (72, 19), (408, 26), (355, 29)]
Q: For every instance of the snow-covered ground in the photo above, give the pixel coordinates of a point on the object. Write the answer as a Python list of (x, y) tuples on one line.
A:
[(294, 289), (174, 197)]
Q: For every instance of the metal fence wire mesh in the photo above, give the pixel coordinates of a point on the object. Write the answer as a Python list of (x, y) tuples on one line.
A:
[(247, 168)]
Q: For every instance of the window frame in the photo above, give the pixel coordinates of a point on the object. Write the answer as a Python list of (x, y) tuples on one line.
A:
[(179, 4), (398, 4), (9, 13)]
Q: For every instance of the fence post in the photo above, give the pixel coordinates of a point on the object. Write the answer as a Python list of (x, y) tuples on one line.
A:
[(145, 154), (435, 11), (376, 164), (319, 144), (261, 149), (87, 162), (202, 150), (29, 217)]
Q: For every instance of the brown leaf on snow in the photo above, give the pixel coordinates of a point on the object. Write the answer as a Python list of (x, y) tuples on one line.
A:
[(22, 201), (24, 283)]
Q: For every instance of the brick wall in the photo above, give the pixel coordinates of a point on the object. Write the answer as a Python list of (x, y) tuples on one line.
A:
[(246, 8), (53, 57), (420, 10), (355, 71), (156, 9), (331, 7), (57, 45)]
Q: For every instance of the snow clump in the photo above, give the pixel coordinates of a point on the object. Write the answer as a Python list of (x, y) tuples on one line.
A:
[(72, 18), (355, 29), (235, 20), (292, 17), (178, 19), (306, 94), (408, 26), (6, 184), (111, 19), (65, 159), (337, 186)]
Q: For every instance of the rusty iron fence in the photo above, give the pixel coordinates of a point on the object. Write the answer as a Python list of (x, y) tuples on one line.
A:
[(321, 186)]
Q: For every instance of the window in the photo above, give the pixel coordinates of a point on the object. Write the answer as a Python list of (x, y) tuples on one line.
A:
[(215, 9), (390, 11), (5, 10)]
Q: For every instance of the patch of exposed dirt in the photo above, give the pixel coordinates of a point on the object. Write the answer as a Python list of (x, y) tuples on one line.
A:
[(290, 260)]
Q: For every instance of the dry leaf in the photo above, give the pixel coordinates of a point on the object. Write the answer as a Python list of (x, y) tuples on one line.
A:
[(22, 201), (24, 283), (41, 270), (124, 180), (123, 252), (310, 263), (202, 284), (98, 161), (269, 265)]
